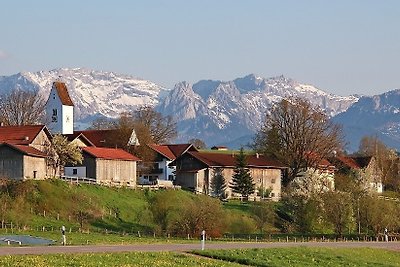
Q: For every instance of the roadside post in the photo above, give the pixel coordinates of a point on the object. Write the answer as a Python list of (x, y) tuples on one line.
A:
[(64, 239), (203, 239)]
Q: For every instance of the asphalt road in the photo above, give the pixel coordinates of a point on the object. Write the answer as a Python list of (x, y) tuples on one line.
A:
[(37, 250)]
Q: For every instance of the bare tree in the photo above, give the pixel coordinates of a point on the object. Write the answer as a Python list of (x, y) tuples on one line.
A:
[(22, 108), (162, 128), (198, 143), (387, 160), (299, 135)]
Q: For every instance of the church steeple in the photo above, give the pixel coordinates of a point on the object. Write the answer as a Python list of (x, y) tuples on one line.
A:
[(60, 110)]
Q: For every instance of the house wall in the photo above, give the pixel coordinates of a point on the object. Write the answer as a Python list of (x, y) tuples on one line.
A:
[(90, 164), (80, 171), (263, 178), (118, 171), (64, 121), (11, 163), (187, 180), (41, 142), (34, 167), (67, 113), (194, 175)]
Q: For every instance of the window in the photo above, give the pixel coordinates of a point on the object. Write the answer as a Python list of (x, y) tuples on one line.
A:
[(74, 171), (272, 194), (34, 174), (54, 117), (170, 177), (272, 181)]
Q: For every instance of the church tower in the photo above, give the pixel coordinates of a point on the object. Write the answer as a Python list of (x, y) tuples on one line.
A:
[(60, 110)]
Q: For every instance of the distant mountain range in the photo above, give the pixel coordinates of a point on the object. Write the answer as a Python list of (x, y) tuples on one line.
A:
[(218, 112)]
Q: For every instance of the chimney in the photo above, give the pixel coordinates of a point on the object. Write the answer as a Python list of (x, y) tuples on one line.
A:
[(26, 138), (1, 124), (257, 155)]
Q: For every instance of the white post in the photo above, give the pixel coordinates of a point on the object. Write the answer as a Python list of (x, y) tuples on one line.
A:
[(203, 239), (64, 239)]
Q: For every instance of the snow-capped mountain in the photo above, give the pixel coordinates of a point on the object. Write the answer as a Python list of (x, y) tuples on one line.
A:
[(377, 115), (94, 93), (218, 111)]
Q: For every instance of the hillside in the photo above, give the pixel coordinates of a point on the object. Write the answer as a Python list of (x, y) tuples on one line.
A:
[(36, 204)]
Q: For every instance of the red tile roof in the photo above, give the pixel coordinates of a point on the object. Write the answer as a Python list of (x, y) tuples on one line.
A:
[(354, 162), (25, 149), (109, 153), (229, 160), (172, 151), (21, 135), (99, 138), (62, 92)]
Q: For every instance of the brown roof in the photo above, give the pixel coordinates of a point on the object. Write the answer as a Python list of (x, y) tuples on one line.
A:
[(172, 151), (25, 149), (109, 153), (99, 138), (353, 162), (62, 92), (229, 160), (21, 135)]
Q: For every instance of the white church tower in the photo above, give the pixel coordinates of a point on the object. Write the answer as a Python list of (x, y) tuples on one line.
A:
[(60, 110)]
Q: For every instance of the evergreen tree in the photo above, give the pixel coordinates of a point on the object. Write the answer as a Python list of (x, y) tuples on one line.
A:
[(218, 183), (242, 182)]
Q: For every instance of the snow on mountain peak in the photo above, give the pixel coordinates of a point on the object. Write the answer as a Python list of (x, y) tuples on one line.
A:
[(93, 92)]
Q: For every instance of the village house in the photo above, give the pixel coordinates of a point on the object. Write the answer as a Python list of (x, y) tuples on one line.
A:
[(365, 167), (24, 151), (195, 171), (160, 169), (108, 166), (102, 161)]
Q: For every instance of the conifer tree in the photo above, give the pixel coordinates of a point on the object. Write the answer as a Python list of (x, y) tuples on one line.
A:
[(242, 182), (218, 184)]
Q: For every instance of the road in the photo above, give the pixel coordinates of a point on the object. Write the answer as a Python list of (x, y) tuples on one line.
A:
[(38, 250)]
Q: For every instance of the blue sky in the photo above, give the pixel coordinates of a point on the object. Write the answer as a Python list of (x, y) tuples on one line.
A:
[(343, 47)]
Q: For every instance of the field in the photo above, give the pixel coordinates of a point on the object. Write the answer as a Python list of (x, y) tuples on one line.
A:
[(300, 256)]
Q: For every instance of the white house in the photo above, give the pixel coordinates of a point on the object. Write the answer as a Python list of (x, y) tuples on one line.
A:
[(60, 110)]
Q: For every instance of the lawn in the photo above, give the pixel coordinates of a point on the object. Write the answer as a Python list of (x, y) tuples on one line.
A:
[(113, 259), (303, 256), (300, 256)]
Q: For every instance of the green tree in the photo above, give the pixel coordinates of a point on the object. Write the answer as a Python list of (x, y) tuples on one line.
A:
[(338, 210), (218, 183), (63, 152), (242, 182), (263, 213)]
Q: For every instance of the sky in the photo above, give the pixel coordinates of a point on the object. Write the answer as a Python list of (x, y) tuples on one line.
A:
[(343, 47)]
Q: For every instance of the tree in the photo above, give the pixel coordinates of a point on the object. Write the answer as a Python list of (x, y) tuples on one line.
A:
[(64, 152), (263, 213), (22, 108), (242, 182), (299, 135), (218, 183), (338, 210), (386, 159), (198, 143), (162, 128)]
